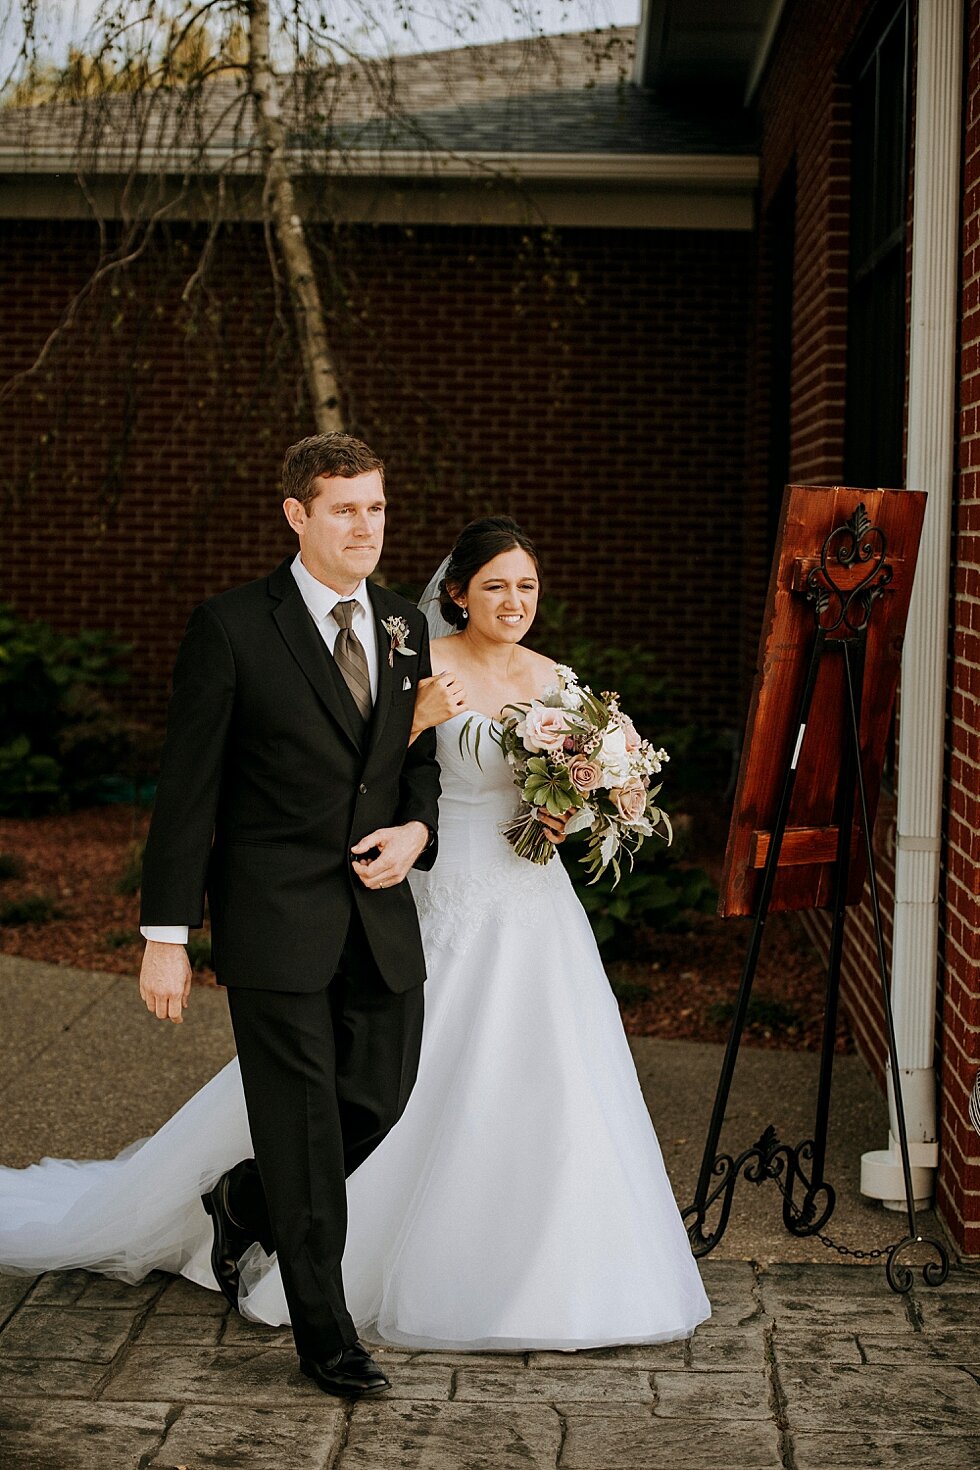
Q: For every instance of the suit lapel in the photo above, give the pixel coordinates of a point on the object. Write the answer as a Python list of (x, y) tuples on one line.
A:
[(386, 676), (305, 644)]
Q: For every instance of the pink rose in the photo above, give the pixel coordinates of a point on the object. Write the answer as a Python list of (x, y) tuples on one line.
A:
[(586, 775), (632, 735), (544, 728), (630, 800)]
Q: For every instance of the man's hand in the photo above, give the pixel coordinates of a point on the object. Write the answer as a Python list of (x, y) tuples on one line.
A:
[(437, 699), (554, 827), (397, 847), (165, 980)]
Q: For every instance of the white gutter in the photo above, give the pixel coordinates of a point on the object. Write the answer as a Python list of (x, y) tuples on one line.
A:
[(932, 413)]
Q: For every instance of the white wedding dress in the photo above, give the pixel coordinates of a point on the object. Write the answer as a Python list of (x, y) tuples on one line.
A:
[(520, 1202)]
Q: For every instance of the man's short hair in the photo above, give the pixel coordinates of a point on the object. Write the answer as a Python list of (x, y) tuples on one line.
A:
[(339, 455)]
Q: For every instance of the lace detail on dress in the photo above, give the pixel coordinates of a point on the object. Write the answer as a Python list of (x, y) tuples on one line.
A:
[(452, 911)]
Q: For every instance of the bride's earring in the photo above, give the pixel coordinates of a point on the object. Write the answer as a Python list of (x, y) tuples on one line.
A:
[(465, 614)]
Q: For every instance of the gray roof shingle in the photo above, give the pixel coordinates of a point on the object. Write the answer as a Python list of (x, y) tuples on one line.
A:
[(552, 94)]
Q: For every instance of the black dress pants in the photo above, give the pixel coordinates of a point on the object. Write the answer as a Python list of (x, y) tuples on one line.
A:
[(326, 1075)]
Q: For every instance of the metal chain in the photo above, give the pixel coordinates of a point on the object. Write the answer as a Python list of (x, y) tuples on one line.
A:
[(826, 1240)]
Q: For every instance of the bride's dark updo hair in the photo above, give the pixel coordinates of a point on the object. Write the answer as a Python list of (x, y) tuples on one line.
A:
[(478, 543)]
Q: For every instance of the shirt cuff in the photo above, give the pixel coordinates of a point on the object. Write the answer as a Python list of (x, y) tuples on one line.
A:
[(165, 933)]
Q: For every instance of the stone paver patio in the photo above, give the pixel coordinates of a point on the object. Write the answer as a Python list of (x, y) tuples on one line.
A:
[(802, 1366)]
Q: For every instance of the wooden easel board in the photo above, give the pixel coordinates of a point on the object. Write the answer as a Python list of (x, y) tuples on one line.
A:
[(805, 870)]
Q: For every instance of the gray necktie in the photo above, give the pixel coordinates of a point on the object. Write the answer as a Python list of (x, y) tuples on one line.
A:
[(348, 651)]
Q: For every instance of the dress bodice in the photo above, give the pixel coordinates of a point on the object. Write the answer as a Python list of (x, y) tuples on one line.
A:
[(477, 874), (477, 781)]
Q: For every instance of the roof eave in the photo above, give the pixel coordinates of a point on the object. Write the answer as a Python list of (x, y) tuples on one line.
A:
[(723, 171)]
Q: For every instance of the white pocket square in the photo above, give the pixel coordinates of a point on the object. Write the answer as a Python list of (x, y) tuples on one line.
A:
[(406, 683)]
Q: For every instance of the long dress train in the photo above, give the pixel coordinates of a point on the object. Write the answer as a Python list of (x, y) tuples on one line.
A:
[(520, 1202)]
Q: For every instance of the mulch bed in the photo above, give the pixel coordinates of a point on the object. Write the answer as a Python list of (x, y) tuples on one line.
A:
[(681, 988), (79, 863), (687, 992)]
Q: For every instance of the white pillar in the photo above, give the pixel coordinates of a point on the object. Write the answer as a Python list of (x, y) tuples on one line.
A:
[(931, 441)]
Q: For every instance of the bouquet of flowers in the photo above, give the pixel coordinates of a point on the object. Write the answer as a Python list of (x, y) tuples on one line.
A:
[(573, 748)]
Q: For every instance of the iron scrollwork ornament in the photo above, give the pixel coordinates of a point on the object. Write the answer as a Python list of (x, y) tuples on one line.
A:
[(899, 1274), (854, 543), (766, 1159)]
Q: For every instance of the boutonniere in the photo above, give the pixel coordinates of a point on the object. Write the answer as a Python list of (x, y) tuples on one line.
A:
[(397, 630)]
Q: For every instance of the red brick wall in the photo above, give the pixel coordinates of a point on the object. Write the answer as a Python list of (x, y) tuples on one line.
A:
[(805, 118), (959, 1182), (803, 109), (592, 384)]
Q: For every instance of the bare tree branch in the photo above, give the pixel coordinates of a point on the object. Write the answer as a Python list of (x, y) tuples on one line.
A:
[(70, 315), (289, 229)]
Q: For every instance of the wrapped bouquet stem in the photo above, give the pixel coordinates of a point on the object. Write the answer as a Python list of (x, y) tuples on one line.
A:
[(527, 836)]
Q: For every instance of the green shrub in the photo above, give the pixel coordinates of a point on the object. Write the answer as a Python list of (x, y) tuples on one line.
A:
[(629, 992), (34, 909), (698, 759), (131, 876), (29, 782), (122, 938), (199, 952), (60, 735), (10, 866), (659, 892)]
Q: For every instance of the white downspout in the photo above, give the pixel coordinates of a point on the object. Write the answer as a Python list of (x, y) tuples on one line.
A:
[(932, 412)]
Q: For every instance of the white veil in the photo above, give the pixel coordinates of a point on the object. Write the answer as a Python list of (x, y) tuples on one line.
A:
[(429, 605)]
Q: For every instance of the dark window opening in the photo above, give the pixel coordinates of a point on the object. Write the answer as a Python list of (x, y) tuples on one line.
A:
[(781, 223), (876, 297), (875, 406)]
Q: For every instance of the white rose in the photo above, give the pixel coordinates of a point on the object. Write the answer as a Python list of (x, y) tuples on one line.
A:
[(613, 756)]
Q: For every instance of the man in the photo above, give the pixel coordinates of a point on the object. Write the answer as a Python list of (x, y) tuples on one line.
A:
[(290, 794)]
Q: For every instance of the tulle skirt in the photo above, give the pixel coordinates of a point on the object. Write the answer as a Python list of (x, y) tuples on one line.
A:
[(521, 1201)]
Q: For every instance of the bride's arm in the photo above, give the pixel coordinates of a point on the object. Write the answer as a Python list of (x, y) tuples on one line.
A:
[(436, 701)]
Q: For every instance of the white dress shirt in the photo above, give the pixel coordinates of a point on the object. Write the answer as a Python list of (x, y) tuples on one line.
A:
[(320, 601)]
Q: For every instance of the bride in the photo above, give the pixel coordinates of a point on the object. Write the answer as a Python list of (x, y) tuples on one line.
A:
[(521, 1201)]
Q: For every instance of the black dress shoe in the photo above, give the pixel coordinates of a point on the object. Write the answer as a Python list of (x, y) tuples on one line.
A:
[(349, 1374), (231, 1241)]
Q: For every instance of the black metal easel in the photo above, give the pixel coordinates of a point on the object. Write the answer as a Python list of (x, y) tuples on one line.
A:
[(841, 617)]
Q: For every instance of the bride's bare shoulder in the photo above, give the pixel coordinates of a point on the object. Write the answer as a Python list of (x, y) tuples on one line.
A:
[(441, 654), (540, 663)]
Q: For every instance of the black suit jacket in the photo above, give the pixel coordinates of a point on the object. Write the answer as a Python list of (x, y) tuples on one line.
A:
[(266, 783)]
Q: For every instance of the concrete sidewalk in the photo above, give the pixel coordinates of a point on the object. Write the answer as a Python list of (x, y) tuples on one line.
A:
[(805, 1363)]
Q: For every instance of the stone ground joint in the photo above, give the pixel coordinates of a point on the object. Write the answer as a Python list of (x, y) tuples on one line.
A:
[(913, 1311), (341, 1442), (778, 1402), (173, 1414), (562, 1437), (135, 1328)]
